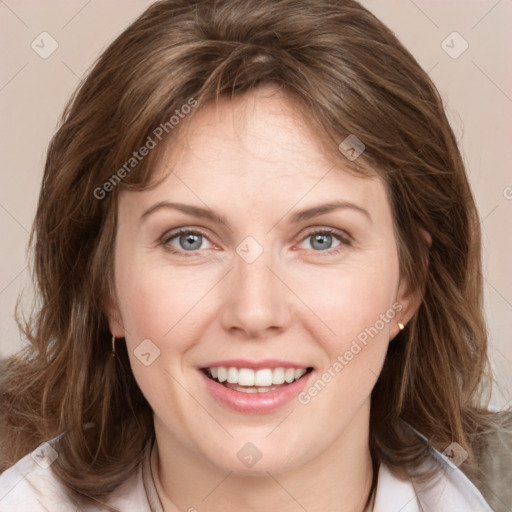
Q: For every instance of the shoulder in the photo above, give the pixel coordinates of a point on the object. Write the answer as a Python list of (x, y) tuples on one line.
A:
[(448, 490), (31, 486), (495, 465)]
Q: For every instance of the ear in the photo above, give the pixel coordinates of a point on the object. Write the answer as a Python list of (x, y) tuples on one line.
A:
[(409, 299), (115, 320)]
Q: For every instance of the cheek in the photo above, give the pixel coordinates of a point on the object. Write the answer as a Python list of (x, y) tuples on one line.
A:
[(162, 304), (355, 347), (350, 301), (146, 311), (151, 299)]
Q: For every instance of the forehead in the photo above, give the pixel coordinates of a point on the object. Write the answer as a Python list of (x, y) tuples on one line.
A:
[(259, 151), (265, 124), (258, 139)]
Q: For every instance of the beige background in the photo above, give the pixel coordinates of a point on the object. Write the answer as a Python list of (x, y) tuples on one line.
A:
[(476, 87)]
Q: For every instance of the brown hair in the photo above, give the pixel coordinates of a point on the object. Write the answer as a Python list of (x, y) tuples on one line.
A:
[(351, 76)]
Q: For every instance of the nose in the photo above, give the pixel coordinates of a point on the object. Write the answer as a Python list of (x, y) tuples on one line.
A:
[(256, 301)]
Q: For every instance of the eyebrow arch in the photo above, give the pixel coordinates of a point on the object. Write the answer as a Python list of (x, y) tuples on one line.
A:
[(316, 211), (208, 214), (195, 211)]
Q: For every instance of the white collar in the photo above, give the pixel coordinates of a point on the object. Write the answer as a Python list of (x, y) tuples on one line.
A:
[(448, 491)]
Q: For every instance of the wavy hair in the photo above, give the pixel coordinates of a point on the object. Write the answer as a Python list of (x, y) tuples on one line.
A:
[(350, 75)]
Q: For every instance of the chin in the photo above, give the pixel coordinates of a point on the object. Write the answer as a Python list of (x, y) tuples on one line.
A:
[(256, 458)]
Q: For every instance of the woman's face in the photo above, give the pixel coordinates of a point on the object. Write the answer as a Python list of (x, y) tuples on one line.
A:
[(257, 291)]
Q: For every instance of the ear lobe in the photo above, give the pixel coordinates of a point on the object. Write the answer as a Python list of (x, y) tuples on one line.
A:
[(410, 299), (115, 321)]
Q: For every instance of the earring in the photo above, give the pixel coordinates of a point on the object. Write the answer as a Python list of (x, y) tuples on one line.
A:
[(113, 346), (401, 326)]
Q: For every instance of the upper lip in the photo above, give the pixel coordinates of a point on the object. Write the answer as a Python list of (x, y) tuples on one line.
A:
[(255, 365)]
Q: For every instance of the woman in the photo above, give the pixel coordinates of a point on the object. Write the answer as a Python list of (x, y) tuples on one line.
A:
[(258, 259)]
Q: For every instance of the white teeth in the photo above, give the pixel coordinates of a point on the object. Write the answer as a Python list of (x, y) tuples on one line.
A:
[(300, 373), (278, 376), (259, 379), (263, 377), (253, 389), (232, 376), (222, 373), (289, 375), (247, 390), (245, 377)]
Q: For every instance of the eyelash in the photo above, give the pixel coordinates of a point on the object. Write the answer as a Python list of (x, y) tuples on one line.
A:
[(340, 235)]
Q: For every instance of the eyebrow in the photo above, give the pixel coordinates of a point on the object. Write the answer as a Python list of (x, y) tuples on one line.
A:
[(195, 211), (300, 216), (316, 211)]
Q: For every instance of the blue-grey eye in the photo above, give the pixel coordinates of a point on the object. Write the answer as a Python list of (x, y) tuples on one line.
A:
[(190, 241), (321, 241), (187, 240)]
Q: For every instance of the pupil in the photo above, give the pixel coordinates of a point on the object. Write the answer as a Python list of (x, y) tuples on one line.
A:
[(323, 239), (193, 239)]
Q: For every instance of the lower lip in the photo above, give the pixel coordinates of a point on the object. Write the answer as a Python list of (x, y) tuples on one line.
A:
[(257, 403)]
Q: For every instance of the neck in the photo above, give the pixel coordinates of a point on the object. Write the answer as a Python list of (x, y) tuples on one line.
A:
[(337, 480)]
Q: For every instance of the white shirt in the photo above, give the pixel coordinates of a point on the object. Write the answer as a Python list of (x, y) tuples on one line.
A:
[(30, 486)]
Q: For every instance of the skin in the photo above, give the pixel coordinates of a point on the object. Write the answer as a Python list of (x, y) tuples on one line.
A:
[(256, 161)]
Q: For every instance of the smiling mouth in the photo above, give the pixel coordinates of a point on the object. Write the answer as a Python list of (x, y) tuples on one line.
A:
[(247, 380)]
